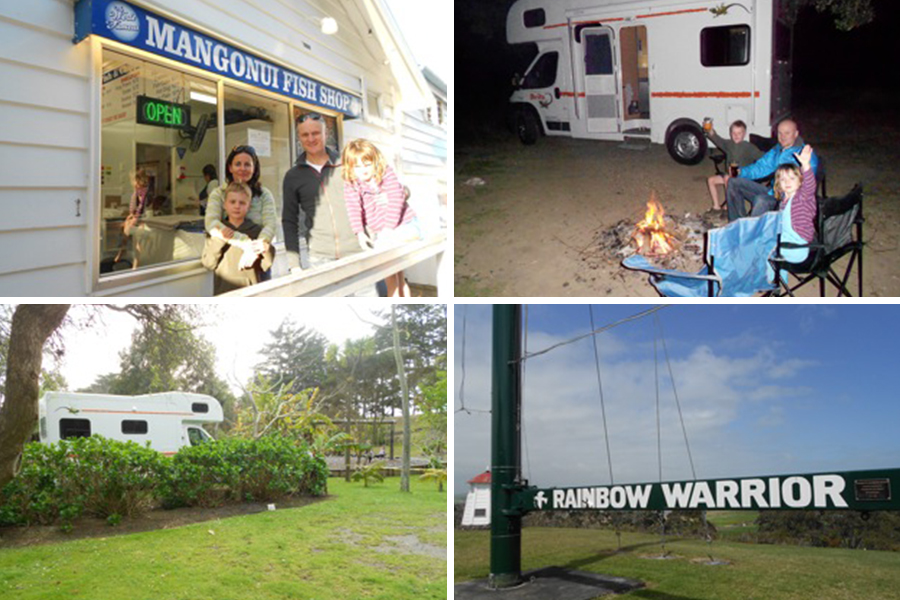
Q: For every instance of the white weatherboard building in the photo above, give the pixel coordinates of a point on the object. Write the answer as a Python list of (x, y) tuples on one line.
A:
[(478, 501), (651, 70), (169, 420), (95, 89)]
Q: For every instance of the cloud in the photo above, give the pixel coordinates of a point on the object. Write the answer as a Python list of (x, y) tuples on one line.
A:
[(563, 420)]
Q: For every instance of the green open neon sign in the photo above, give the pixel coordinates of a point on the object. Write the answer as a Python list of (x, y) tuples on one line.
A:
[(152, 111)]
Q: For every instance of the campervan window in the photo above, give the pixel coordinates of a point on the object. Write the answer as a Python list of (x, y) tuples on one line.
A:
[(200, 407), (197, 436), (543, 72), (727, 46), (480, 512), (74, 428), (535, 18), (597, 55), (134, 427)]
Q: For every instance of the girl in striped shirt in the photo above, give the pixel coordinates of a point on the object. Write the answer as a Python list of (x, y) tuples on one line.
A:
[(795, 189), (376, 204)]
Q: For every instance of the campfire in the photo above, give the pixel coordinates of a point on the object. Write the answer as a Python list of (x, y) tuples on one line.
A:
[(672, 241), (651, 236)]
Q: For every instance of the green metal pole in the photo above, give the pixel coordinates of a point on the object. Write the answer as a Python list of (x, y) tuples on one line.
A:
[(506, 527)]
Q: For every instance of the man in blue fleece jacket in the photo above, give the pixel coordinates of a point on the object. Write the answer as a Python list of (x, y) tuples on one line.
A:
[(744, 188)]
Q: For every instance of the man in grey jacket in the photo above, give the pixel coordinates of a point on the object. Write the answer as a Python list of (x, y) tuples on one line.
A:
[(314, 207)]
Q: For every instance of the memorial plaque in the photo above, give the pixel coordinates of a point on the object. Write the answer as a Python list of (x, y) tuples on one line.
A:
[(872, 490)]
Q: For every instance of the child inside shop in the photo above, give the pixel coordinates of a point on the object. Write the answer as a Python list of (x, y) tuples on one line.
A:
[(236, 264), (377, 205)]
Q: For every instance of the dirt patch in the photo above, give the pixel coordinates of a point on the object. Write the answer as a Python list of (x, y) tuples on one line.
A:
[(89, 527), (531, 229), (410, 544), (348, 536)]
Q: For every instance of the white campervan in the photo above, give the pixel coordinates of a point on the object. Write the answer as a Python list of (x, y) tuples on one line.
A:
[(169, 420), (651, 70)]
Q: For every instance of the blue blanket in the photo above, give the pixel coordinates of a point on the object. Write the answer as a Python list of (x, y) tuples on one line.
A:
[(739, 254)]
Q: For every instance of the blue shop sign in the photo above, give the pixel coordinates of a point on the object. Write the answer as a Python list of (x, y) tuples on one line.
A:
[(134, 26)]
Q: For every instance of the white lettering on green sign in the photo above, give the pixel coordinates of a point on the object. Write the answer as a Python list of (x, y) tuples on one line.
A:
[(816, 491)]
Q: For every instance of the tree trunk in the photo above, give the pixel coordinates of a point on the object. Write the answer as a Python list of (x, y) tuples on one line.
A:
[(401, 373), (32, 324)]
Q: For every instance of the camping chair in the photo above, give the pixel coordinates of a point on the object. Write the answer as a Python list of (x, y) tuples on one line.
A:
[(839, 224), (736, 262)]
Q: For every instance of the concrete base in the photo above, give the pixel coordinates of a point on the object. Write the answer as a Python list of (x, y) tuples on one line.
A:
[(551, 582)]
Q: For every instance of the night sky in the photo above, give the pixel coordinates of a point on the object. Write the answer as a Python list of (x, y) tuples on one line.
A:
[(824, 59)]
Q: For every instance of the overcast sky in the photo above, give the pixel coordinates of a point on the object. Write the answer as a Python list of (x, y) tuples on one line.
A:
[(427, 27), (764, 390), (238, 330)]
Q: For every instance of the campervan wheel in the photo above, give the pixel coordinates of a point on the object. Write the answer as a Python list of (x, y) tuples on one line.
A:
[(686, 144), (528, 127)]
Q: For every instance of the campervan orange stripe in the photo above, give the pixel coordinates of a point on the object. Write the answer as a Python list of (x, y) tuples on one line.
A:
[(674, 12), (134, 412), (571, 94), (705, 94), (647, 16), (598, 21)]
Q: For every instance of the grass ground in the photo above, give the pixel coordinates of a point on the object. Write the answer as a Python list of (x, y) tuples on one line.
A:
[(361, 543), (755, 572), (734, 525)]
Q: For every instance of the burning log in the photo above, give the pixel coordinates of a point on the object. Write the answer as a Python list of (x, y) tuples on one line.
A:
[(650, 235)]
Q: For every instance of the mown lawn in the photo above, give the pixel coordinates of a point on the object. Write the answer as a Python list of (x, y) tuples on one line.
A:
[(756, 572), (734, 525), (338, 548)]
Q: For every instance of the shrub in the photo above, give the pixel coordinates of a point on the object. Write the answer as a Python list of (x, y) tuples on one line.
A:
[(371, 472), (235, 470), (93, 476), (114, 480)]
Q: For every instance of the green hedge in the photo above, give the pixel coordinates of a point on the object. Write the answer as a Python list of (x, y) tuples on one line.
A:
[(93, 476), (111, 479), (244, 470)]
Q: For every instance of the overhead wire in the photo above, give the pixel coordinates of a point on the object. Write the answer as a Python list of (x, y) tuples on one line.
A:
[(687, 444), (612, 480), (662, 513), (462, 375), (639, 315)]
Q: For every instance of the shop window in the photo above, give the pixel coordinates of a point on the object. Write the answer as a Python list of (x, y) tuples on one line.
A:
[(134, 427), (264, 124), (74, 428), (157, 135), (332, 130), (727, 46)]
